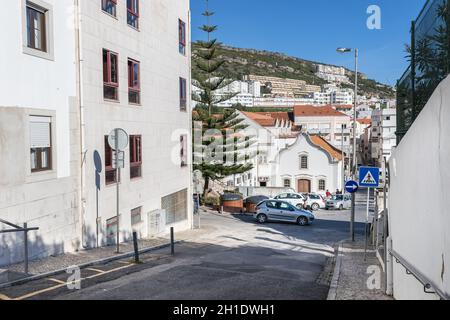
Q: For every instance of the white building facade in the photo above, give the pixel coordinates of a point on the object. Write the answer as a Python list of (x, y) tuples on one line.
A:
[(87, 68)]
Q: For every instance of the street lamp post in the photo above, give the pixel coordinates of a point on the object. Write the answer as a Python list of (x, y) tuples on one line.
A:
[(354, 166)]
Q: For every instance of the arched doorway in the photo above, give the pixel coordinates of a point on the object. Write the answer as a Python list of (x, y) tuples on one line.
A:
[(304, 186)]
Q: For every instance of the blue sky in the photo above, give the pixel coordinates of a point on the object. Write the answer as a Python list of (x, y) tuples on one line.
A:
[(313, 29)]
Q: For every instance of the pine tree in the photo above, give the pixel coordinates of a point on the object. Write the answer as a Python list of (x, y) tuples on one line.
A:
[(222, 149)]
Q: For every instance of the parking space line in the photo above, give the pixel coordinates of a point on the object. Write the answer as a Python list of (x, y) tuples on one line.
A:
[(35, 293), (95, 270), (123, 262), (4, 297), (63, 284), (57, 281)]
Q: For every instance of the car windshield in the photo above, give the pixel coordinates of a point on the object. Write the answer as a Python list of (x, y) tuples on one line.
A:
[(338, 197)]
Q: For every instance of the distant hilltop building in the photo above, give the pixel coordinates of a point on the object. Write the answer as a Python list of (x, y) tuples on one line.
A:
[(280, 87), (332, 73)]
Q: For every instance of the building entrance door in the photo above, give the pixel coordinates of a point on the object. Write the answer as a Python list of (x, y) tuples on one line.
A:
[(304, 186)]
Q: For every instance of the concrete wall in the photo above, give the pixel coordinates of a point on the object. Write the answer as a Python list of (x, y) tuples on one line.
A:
[(158, 119), (419, 216), (32, 85)]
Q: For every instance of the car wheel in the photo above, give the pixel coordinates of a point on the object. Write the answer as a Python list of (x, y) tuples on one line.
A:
[(303, 221), (315, 206), (341, 207), (262, 218)]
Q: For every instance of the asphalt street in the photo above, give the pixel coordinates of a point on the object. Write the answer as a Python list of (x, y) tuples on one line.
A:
[(238, 260)]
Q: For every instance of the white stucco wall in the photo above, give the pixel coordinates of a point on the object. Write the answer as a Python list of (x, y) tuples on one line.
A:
[(32, 85), (320, 166), (419, 218), (158, 119)]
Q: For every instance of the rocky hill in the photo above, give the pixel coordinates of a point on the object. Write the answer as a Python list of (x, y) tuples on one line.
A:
[(242, 62)]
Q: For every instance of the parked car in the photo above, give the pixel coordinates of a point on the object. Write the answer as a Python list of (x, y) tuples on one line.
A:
[(339, 202), (296, 199), (282, 211), (251, 202), (315, 202)]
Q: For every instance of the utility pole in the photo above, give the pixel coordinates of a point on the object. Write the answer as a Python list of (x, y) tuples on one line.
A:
[(343, 156), (352, 222), (353, 165)]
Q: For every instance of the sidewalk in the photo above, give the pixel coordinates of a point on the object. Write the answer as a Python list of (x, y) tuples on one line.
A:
[(56, 264), (351, 274)]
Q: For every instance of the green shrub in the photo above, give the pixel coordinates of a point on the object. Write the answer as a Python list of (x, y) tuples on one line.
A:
[(212, 201)]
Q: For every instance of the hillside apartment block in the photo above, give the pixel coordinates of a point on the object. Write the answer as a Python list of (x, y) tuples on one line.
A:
[(72, 71)]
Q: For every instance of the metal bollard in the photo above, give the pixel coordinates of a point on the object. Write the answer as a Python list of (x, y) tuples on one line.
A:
[(172, 241), (136, 248), (25, 240)]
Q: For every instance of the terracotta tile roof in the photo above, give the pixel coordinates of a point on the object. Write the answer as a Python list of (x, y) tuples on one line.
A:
[(322, 143), (313, 111), (365, 121), (262, 119), (276, 115), (343, 106)]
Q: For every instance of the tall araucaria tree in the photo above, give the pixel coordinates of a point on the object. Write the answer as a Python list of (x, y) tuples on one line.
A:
[(221, 146)]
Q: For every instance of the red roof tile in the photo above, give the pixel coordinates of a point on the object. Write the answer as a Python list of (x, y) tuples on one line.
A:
[(313, 111)]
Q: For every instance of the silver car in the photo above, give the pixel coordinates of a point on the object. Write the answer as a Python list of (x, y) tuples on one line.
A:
[(282, 211), (339, 202)]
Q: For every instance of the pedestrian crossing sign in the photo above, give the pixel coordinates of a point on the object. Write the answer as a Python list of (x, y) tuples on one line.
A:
[(369, 177)]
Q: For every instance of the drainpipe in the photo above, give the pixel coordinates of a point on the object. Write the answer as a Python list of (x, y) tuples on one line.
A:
[(79, 61)]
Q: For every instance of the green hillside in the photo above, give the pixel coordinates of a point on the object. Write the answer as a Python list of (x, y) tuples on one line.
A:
[(242, 62)]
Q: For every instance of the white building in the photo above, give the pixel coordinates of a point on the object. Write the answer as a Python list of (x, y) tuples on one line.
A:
[(331, 124), (40, 159), (310, 163), (384, 139), (331, 73), (90, 67)]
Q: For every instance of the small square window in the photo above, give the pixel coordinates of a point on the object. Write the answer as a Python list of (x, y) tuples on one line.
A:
[(134, 82), (110, 75), (133, 13), (36, 27), (110, 171), (135, 157), (182, 36), (110, 7), (183, 94), (40, 144)]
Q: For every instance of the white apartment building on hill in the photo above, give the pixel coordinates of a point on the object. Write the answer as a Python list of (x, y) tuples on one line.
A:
[(324, 121), (86, 68), (383, 137)]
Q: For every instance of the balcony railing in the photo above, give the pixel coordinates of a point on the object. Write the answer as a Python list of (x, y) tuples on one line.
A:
[(429, 55)]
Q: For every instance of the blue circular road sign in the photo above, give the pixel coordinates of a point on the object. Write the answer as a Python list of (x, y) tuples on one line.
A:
[(351, 186)]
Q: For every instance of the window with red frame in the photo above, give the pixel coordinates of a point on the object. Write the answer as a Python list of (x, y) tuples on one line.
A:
[(182, 36), (133, 13), (183, 150), (110, 7), (135, 157), (183, 94), (110, 172), (110, 75), (134, 82)]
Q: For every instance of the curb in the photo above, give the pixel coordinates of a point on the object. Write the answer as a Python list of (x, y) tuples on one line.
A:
[(332, 293), (84, 265)]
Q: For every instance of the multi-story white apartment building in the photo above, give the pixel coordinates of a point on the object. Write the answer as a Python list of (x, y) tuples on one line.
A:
[(331, 73), (332, 125), (84, 69), (383, 138)]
